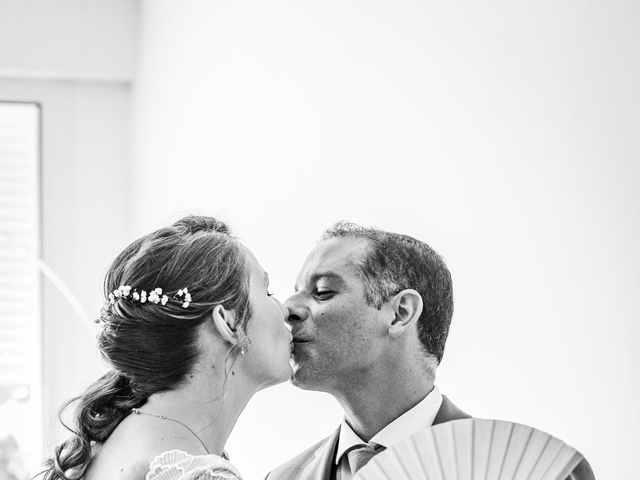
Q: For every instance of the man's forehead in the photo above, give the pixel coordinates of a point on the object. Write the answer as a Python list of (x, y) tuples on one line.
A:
[(334, 256)]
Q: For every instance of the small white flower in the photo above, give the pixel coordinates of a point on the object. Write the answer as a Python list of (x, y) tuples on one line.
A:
[(187, 297), (153, 297), (117, 293), (143, 296), (111, 296), (125, 289), (185, 304), (158, 291), (136, 296), (185, 290), (180, 292), (164, 300)]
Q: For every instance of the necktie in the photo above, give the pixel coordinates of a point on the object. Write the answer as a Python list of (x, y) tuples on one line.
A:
[(361, 454)]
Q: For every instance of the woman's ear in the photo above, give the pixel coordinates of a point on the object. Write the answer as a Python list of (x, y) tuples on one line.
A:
[(407, 308), (224, 321)]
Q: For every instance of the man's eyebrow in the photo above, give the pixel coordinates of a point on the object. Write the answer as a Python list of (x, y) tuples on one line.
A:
[(328, 275), (320, 275)]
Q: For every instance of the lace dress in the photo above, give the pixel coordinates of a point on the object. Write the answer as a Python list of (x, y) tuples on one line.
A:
[(178, 465)]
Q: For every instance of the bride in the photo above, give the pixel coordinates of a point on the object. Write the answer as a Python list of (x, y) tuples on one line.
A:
[(191, 333)]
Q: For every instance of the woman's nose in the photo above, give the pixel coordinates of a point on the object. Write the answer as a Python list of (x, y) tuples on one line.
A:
[(283, 309)]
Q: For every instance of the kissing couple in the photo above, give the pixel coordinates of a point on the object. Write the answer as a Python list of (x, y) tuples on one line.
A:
[(191, 333)]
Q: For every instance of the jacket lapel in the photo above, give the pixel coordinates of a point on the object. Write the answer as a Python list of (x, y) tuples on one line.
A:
[(448, 412), (319, 467)]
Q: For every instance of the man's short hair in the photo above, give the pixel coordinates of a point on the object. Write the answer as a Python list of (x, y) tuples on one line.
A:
[(396, 262)]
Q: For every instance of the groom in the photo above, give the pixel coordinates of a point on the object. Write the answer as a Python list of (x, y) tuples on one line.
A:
[(369, 318)]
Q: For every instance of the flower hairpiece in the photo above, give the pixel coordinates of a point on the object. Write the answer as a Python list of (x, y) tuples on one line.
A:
[(154, 296)]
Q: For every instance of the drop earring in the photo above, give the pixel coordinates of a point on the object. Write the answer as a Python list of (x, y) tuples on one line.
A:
[(244, 343)]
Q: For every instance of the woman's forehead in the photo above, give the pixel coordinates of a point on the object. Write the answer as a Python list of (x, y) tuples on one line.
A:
[(253, 265)]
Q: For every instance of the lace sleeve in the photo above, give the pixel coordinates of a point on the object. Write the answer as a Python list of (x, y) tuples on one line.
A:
[(178, 465)]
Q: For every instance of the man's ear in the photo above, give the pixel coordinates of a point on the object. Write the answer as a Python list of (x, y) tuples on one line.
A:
[(224, 320), (406, 307)]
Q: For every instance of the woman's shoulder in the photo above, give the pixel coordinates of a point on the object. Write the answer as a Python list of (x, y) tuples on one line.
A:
[(124, 469), (179, 465), (129, 451)]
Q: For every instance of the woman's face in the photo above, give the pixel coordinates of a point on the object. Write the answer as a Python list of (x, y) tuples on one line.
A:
[(267, 355)]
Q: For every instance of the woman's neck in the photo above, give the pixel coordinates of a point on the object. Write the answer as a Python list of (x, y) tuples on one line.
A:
[(209, 407)]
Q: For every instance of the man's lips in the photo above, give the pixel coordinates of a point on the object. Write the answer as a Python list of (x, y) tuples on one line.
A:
[(300, 342), (299, 346)]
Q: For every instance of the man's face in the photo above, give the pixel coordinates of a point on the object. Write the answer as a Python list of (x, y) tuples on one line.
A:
[(337, 336)]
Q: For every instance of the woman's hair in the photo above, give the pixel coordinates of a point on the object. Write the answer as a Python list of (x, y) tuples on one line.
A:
[(152, 346)]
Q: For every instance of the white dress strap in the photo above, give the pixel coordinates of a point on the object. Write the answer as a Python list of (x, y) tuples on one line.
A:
[(179, 465)]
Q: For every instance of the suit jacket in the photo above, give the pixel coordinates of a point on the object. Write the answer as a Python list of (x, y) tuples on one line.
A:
[(317, 462)]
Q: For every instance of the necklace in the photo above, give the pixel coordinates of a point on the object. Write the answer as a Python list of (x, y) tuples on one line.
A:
[(137, 411)]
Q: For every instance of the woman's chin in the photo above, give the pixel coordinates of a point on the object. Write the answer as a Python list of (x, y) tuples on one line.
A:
[(283, 374), (288, 372)]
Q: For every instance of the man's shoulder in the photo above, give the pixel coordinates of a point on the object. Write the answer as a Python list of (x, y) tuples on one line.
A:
[(294, 467)]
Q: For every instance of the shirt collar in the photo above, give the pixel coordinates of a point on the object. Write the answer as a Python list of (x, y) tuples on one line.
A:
[(418, 417)]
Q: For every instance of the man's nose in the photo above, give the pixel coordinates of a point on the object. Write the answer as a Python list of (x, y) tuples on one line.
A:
[(298, 312)]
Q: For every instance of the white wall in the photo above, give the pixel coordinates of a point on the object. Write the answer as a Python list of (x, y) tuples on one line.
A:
[(77, 59), (504, 134), (79, 39)]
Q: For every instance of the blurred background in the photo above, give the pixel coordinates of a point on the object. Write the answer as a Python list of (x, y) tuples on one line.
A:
[(504, 134)]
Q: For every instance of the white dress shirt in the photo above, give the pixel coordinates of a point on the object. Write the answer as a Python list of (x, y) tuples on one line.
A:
[(419, 417)]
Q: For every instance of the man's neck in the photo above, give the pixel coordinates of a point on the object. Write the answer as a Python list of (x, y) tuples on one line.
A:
[(372, 405)]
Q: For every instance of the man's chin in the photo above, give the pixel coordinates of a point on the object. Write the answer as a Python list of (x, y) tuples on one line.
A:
[(303, 385), (305, 378)]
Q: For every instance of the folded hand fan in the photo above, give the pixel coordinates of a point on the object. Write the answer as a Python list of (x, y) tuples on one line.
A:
[(474, 449)]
